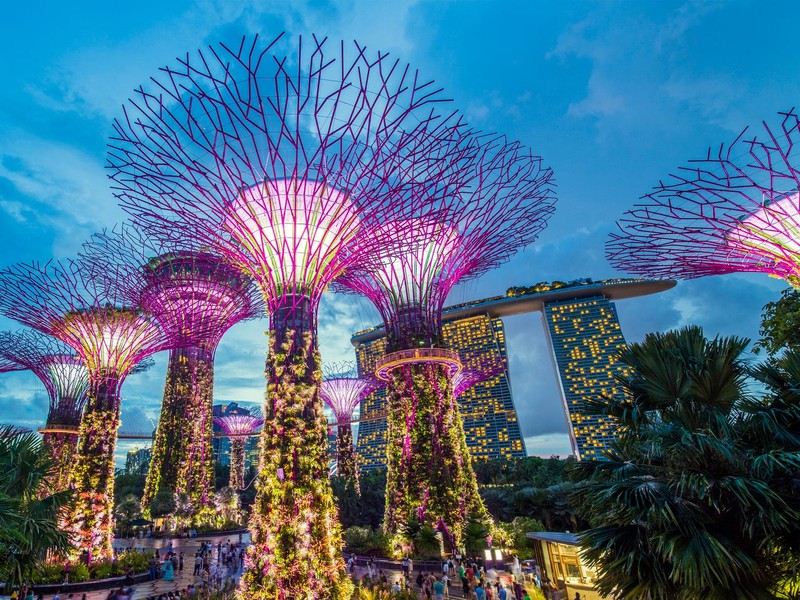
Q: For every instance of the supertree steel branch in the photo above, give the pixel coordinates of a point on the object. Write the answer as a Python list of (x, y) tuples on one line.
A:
[(186, 290), (111, 334), (66, 380), (736, 210), (238, 428), (503, 200), (279, 163), (477, 367), (342, 390)]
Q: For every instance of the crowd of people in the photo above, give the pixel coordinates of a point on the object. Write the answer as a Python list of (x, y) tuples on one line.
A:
[(469, 576)]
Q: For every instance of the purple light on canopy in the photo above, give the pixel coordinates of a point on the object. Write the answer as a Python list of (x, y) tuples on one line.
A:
[(239, 425), (111, 333), (342, 390), (296, 231), (196, 297), (736, 210), (238, 428), (66, 379), (498, 201)]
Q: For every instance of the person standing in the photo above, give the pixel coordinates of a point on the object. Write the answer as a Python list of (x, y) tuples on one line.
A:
[(480, 593), (168, 571), (151, 567), (438, 589), (180, 562)]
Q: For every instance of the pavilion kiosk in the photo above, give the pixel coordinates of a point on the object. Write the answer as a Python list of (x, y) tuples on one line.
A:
[(558, 555)]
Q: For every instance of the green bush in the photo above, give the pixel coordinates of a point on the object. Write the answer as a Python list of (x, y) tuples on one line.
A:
[(50, 573), (100, 569), (366, 541), (79, 572), (131, 560)]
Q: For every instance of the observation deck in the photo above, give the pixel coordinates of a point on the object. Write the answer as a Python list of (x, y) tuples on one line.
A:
[(521, 303), (440, 356)]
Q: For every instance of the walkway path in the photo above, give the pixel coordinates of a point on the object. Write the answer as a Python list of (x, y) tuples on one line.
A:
[(182, 578)]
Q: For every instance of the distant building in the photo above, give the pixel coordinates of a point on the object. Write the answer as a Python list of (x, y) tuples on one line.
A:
[(487, 408), (138, 461), (585, 337), (222, 445)]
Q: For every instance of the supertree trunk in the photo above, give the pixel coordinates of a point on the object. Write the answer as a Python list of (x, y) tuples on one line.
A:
[(236, 480), (196, 470), (172, 432), (61, 448), (345, 454), (90, 517), (296, 536), (429, 471), (182, 458)]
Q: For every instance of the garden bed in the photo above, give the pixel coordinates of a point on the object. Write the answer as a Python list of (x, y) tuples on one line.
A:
[(87, 586)]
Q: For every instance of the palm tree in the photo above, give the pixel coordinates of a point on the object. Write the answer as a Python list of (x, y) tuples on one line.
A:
[(696, 498), (28, 511)]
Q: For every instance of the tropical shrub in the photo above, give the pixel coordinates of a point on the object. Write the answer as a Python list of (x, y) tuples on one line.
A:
[(697, 497), (101, 569), (131, 560), (28, 515), (49, 573), (79, 573)]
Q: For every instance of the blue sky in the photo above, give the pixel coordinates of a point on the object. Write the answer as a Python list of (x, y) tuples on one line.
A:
[(613, 95)]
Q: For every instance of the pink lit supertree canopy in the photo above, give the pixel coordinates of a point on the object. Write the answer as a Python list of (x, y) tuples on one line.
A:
[(66, 379), (503, 200), (342, 390), (186, 290), (238, 427), (737, 210), (111, 333), (278, 162)]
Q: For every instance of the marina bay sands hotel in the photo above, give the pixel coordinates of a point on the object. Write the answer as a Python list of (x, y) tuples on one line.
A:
[(584, 335)]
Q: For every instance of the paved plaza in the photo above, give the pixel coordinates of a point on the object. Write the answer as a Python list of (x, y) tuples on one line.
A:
[(182, 578)]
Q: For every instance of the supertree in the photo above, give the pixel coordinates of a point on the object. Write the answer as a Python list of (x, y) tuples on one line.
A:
[(736, 210), (238, 428), (342, 390), (77, 303), (503, 200), (280, 164), (66, 379), (186, 290)]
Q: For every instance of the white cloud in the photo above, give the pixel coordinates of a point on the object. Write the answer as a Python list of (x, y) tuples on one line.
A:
[(57, 186)]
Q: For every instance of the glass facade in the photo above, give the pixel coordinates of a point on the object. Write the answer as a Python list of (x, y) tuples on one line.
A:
[(585, 339), (487, 408)]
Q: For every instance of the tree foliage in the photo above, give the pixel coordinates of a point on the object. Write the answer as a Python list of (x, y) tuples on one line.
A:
[(163, 503), (780, 323), (698, 495), (364, 509)]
